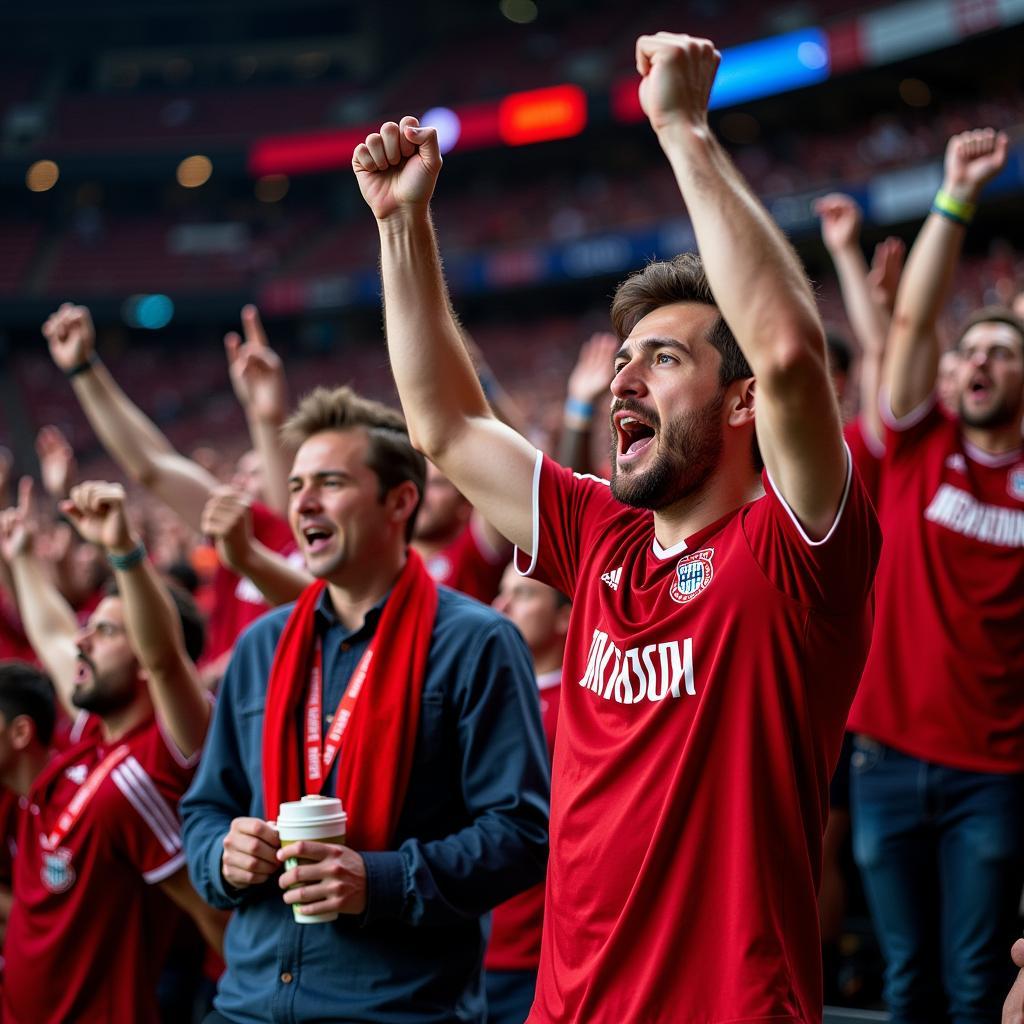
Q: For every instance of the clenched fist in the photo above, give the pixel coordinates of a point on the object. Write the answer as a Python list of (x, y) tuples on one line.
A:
[(71, 336), (678, 71), (397, 167), (227, 518), (973, 158), (96, 509), (840, 221)]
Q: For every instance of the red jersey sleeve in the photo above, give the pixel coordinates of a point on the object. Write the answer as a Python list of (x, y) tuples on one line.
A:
[(867, 454), (832, 574), (569, 512), (904, 434), (272, 530)]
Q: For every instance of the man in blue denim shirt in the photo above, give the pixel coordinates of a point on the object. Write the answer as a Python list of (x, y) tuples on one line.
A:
[(472, 829)]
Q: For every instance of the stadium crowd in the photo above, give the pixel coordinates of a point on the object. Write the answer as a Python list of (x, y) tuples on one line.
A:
[(781, 574)]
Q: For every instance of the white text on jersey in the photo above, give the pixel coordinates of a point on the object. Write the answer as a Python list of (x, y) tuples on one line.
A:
[(642, 673), (963, 513)]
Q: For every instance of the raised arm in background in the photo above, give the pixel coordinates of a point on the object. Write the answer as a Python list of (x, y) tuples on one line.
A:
[(912, 357), (97, 511), (228, 520), (50, 623), (131, 438), (588, 384), (448, 415), (757, 281), (57, 466), (869, 318), (258, 378)]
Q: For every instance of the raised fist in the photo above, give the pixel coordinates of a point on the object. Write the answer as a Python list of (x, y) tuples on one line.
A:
[(56, 461), (972, 159), (227, 518), (70, 335), (18, 527), (397, 167), (677, 73), (886, 270), (840, 221), (256, 370), (96, 509)]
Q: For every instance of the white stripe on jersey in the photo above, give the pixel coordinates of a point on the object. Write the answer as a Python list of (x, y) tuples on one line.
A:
[(140, 791), (165, 813), (165, 870)]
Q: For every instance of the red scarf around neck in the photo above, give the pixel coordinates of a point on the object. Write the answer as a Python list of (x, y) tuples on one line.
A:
[(375, 760)]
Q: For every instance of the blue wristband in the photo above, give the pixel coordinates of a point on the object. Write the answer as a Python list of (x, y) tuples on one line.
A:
[(127, 561), (577, 407)]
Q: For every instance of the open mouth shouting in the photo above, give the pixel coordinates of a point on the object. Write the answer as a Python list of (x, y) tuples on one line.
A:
[(85, 670), (979, 387), (316, 536), (634, 431)]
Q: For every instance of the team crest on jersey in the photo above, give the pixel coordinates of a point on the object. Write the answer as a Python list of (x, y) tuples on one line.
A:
[(694, 573), (57, 873), (1015, 483)]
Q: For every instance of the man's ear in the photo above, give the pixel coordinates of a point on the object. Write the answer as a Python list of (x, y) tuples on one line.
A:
[(22, 732), (740, 402), (401, 501)]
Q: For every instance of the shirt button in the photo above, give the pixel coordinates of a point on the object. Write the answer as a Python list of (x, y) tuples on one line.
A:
[(286, 977), (345, 645)]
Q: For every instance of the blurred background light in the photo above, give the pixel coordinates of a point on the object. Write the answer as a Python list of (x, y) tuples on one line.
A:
[(448, 126), (194, 171), (148, 311), (522, 12), (42, 176), (272, 188), (915, 93)]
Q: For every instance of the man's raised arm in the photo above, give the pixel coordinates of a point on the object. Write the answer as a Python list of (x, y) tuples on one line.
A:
[(756, 280), (97, 510), (49, 620), (131, 438), (912, 357), (445, 407)]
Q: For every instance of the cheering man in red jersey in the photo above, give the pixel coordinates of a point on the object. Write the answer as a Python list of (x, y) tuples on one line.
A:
[(88, 935), (937, 775), (721, 613)]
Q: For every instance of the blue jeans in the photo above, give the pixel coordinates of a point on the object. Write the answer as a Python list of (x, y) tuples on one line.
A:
[(941, 852)]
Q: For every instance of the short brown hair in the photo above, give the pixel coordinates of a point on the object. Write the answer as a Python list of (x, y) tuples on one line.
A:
[(663, 283), (992, 315), (681, 279), (391, 454)]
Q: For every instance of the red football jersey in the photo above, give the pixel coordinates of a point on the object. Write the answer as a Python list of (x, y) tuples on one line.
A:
[(705, 691), (87, 937), (467, 565), (867, 456), (945, 677), (516, 924), (237, 601)]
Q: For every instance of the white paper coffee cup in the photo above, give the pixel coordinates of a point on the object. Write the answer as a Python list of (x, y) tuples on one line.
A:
[(320, 818)]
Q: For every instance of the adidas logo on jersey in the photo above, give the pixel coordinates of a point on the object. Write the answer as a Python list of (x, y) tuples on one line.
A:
[(77, 774), (613, 578), (956, 462)]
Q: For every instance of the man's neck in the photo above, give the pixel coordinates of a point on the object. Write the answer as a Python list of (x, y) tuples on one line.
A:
[(994, 441), (116, 724), (691, 514), (353, 598), (26, 769)]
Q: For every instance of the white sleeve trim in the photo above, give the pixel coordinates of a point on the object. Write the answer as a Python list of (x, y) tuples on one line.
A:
[(535, 512), (911, 419), (839, 514), (872, 443), (165, 870), (172, 748)]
